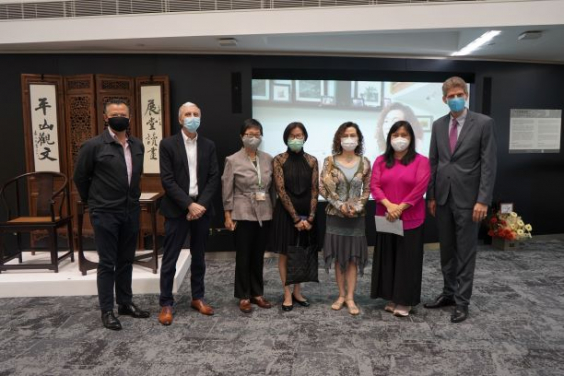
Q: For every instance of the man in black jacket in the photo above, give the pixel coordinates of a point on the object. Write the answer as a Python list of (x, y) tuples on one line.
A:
[(190, 178), (107, 176)]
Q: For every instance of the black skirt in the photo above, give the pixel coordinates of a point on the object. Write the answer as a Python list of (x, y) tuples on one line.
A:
[(397, 267), (285, 234)]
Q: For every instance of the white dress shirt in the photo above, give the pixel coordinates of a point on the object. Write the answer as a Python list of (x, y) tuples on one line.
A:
[(191, 145), (126, 153)]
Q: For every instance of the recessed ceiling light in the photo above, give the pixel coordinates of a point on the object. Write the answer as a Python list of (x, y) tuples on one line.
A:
[(531, 34), (227, 42), (477, 43)]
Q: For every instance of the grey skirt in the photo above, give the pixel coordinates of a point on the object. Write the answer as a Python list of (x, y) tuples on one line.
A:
[(345, 241)]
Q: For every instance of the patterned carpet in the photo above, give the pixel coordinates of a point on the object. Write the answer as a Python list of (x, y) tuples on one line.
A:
[(516, 327)]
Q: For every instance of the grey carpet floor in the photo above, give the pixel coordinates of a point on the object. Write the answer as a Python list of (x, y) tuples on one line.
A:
[(516, 327)]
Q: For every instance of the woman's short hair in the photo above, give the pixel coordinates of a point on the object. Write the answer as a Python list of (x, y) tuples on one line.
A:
[(291, 127), (250, 123), (337, 148)]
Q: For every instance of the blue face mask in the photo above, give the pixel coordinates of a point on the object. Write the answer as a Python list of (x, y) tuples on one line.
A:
[(191, 124), (456, 104)]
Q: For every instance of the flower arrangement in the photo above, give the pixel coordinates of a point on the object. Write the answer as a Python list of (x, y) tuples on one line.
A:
[(508, 226)]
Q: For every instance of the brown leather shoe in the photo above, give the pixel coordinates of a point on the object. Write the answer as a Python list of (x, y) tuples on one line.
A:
[(261, 302), (200, 306), (245, 306), (165, 317)]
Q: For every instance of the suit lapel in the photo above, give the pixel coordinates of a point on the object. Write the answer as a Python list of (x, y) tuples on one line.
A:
[(182, 152), (443, 142), (199, 158), (468, 123)]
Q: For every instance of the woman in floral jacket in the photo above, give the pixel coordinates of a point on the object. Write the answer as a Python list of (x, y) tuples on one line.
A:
[(345, 184)]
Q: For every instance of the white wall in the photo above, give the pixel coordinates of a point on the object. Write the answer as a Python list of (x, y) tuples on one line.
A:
[(279, 22)]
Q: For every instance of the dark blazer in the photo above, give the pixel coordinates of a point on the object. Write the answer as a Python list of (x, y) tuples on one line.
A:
[(175, 177), (469, 173), (100, 173)]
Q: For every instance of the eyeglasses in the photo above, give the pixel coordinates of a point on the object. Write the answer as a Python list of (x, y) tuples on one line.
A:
[(252, 134), (296, 137)]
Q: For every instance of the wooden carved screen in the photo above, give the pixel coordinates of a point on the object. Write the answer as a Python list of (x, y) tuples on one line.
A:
[(81, 100), (115, 87), (81, 121)]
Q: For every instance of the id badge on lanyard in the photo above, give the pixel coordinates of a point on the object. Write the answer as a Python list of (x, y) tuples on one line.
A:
[(259, 193)]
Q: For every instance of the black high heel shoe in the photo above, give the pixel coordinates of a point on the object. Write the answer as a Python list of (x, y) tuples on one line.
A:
[(287, 308), (303, 303)]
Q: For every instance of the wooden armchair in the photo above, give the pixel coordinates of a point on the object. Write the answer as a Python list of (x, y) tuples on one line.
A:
[(46, 197)]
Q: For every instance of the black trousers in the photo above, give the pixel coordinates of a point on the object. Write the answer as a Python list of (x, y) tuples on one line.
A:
[(397, 267), (458, 237), (250, 244), (115, 235), (176, 230)]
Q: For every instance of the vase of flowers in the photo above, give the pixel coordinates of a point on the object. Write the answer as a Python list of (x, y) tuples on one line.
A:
[(508, 230)]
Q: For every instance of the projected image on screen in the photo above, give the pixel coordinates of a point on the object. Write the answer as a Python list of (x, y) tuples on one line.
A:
[(324, 105)]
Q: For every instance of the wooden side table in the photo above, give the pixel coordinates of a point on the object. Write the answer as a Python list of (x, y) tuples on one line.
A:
[(148, 202)]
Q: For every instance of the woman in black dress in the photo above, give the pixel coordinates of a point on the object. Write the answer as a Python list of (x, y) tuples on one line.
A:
[(296, 178)]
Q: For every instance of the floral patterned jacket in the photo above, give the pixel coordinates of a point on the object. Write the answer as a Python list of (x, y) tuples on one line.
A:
[(337, 190)]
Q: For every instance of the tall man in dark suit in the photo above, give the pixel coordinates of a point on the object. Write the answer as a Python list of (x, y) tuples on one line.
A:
[(190, 178), (463, 167), (107, 176)]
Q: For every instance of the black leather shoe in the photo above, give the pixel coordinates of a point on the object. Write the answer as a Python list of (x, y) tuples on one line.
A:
[(303, 303), (133, 311), (287, 308), (110, 321), (459, 314), (440, 301)]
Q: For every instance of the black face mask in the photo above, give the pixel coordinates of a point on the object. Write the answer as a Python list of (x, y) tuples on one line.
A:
[(118, 124)]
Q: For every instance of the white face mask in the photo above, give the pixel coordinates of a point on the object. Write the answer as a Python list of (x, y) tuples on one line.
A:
[(349, 143), (399, 144)]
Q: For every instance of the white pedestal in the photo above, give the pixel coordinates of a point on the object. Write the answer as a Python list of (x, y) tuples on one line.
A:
[(70, 282)]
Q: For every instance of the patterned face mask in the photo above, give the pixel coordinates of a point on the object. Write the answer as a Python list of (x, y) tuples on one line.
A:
[(252, 142)]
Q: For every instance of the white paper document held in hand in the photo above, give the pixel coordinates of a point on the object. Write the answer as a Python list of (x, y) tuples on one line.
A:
[(383, 225)]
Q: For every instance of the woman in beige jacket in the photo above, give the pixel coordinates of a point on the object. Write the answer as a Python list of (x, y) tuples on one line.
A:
[(248, 195)]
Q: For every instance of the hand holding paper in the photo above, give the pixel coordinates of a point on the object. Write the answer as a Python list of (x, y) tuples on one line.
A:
[(384, 225)]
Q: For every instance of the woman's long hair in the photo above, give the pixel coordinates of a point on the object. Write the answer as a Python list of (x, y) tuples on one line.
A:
[(337, 148), (408, 115), (411, 153)]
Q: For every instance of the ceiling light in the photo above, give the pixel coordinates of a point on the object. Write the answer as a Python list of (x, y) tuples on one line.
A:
[(531, 34), (477, 43), (227, 42)]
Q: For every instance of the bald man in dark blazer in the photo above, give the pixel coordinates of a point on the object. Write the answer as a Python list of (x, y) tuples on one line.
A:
[(463, 157), (190, 178)]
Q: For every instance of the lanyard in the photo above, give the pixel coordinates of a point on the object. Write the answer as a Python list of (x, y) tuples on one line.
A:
[(257, 169)]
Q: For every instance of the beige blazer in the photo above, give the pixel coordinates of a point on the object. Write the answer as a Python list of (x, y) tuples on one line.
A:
[(240, 180)]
